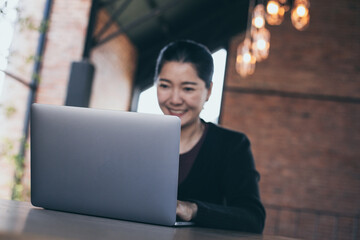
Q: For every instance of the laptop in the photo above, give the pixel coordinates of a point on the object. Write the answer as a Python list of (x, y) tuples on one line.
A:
[(114, 164)]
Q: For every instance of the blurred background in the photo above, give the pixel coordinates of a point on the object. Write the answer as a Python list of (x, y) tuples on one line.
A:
[(287, 75)]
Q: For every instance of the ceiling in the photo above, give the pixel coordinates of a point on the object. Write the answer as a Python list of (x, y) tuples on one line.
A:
[(150, 24)]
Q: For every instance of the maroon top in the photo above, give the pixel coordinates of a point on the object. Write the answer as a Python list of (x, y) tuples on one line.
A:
[(187, 159)]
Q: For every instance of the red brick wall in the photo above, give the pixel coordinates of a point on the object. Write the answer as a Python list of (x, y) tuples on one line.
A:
[(65, 42), (301, 112), (114, 63)]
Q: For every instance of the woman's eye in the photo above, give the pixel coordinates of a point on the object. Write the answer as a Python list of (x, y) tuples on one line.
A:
[(163, 86), (189, 89)]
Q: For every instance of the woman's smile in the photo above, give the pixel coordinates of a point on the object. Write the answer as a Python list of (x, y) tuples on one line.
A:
[(176, 112)]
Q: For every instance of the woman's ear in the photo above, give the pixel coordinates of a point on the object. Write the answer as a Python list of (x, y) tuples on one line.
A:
[(209, 92)]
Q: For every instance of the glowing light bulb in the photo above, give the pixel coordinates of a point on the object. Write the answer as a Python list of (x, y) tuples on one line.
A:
[(273, 7), (300, 16), (258, 17), (301, 10), (247, 57), (259, 22), (275, 12), (261, 44), (245, 60)]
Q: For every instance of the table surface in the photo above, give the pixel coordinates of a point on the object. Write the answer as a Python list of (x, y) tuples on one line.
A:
[(21, 220)]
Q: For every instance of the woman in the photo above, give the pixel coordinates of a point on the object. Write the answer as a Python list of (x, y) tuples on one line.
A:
[(217, 176)]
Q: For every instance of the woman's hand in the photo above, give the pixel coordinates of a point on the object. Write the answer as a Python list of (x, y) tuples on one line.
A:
[(186, 210)]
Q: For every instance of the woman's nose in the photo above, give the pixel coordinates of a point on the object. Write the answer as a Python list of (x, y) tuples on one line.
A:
[(176, 98)]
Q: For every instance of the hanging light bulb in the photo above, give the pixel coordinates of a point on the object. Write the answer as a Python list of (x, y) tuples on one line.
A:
[(261, 44), (258, 19), (256, 45), (272, 7), (245, 60), (259, 34), (300, 16), (275, 12)]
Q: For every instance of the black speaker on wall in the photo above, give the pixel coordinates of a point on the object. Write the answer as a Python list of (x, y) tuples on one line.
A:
[(80, 84)]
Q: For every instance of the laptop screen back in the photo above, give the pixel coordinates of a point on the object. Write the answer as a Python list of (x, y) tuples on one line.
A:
[(105, 163)]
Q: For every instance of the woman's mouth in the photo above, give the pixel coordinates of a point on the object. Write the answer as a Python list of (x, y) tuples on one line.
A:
[(177, 113)]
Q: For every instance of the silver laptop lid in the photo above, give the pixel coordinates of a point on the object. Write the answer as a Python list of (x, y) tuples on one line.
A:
[(113, 164)]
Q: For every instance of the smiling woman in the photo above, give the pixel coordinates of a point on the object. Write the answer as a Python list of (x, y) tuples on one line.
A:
[(218, 182), (148, 99)]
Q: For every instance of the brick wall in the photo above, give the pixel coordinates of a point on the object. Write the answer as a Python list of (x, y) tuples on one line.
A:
[(114, 68), (115, 63), (65, 43), (301, 112)]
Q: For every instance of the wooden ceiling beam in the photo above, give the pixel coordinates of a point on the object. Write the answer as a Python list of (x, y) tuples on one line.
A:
[(139, 21)]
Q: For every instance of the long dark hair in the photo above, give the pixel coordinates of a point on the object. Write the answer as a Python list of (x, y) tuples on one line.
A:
[(187, 51)]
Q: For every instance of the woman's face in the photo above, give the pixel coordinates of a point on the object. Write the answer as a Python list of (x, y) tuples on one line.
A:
[(181, 92)]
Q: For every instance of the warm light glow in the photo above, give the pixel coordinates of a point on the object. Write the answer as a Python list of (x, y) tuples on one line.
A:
[(275, 13), (258, 17), (257, 43), (300, 16), (259, 22), (301, 10), (261, 44), (247, 57), (273, 7), (245, 60)]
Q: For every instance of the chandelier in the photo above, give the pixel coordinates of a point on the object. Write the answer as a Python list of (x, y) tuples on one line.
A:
[(256, 45)]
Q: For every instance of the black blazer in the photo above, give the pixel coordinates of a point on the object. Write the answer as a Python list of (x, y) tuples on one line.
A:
[(224, 183)]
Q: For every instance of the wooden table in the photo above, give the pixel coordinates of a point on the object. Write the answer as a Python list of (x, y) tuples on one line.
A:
[(20, 220)]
